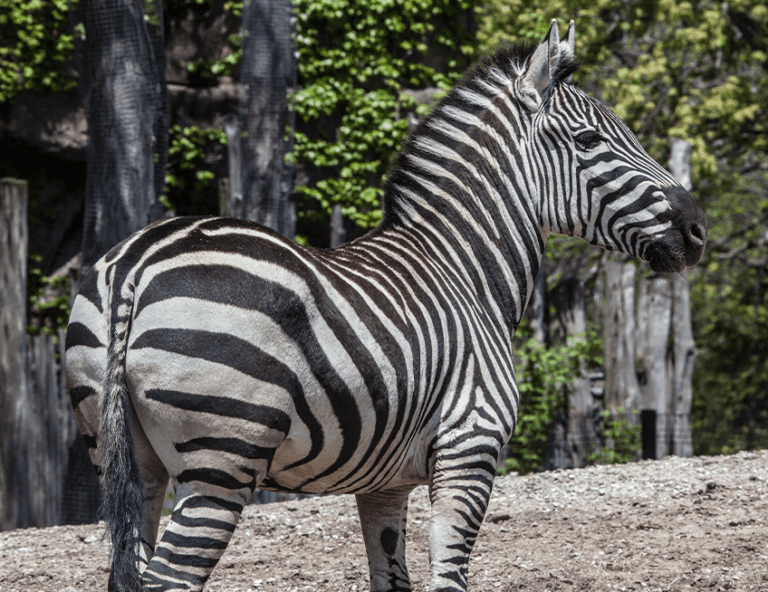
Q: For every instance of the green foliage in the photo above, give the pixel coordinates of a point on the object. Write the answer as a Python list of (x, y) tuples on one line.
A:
[(543, 383), (730, 410), (203, 72), (170, 495), (190, 179), (35, 47), (50, 312), (729, 303), (355, 61), (621, 438)]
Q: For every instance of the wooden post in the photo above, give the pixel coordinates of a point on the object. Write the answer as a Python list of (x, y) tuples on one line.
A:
[(37, 426), (13, 318), (42, 421)]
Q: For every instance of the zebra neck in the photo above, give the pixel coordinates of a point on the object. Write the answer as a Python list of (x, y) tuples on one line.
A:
[(475, 200)]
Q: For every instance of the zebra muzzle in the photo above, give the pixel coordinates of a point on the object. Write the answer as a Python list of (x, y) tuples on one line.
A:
[(681, 245)]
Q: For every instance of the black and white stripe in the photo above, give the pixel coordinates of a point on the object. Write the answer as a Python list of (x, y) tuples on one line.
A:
[(220, 355)]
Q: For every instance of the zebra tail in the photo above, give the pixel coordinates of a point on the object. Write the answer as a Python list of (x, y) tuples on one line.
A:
[(122, 491)]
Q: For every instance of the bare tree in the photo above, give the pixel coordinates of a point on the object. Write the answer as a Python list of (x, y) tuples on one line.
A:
[(13, 318), (120, 58), (268, 75)]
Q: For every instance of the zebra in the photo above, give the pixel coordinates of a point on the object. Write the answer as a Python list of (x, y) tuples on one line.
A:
[(215, 353)]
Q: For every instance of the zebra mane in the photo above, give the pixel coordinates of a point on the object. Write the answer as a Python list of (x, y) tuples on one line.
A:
[(507, 63), (513, 59)]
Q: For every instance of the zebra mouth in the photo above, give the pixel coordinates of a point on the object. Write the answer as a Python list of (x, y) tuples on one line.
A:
[(675, 250), (665, 259)]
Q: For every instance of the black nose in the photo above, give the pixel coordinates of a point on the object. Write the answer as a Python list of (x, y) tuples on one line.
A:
[(690, 220)]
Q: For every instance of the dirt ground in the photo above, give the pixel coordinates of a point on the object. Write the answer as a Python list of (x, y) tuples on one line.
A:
[(663, 526)]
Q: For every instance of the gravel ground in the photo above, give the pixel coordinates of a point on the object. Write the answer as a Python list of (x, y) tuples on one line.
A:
[(662, 526)]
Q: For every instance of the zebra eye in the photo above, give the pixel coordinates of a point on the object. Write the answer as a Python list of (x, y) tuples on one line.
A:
[(589, 139)]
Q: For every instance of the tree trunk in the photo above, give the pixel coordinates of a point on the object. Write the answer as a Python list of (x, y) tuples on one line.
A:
[(13, 318), (539, 305), (121, 67), (621, 388), (268, 74), (581, 438), (680, 161), (684, 348), (234, 202), (684, 358), (654, 312), (337, 227)]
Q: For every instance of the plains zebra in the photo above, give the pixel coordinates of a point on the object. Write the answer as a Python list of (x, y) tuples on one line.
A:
[(217, 353)]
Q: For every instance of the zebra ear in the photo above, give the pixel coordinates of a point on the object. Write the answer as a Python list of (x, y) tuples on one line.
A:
[(570, 37), (538, 75), (569, 43)]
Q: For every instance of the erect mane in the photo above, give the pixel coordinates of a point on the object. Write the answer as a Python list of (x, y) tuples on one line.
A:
[(511, 61)]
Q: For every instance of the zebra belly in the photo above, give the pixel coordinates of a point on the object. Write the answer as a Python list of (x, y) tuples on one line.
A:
[(406, 466)]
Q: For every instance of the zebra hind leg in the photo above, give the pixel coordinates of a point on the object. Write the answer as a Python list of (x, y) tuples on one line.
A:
[(195, 539), (382, 517), (155, 485)]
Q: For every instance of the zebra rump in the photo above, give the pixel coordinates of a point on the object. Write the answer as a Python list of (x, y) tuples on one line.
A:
[(218, 355)]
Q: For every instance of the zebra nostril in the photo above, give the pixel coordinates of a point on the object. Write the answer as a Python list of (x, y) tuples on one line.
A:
[(697, 234)]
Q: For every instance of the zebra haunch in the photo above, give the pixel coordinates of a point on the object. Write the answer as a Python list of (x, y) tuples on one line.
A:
[(217, 354)]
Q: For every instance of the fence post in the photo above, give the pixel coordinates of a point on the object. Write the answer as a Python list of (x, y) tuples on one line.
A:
[(13, 318), (648, 433)]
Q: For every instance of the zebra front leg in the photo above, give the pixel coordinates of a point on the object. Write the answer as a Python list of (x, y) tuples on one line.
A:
[(382, 517), (459, 501)]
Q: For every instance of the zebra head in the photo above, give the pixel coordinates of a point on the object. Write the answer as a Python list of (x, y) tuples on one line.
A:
[(597, 182)]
